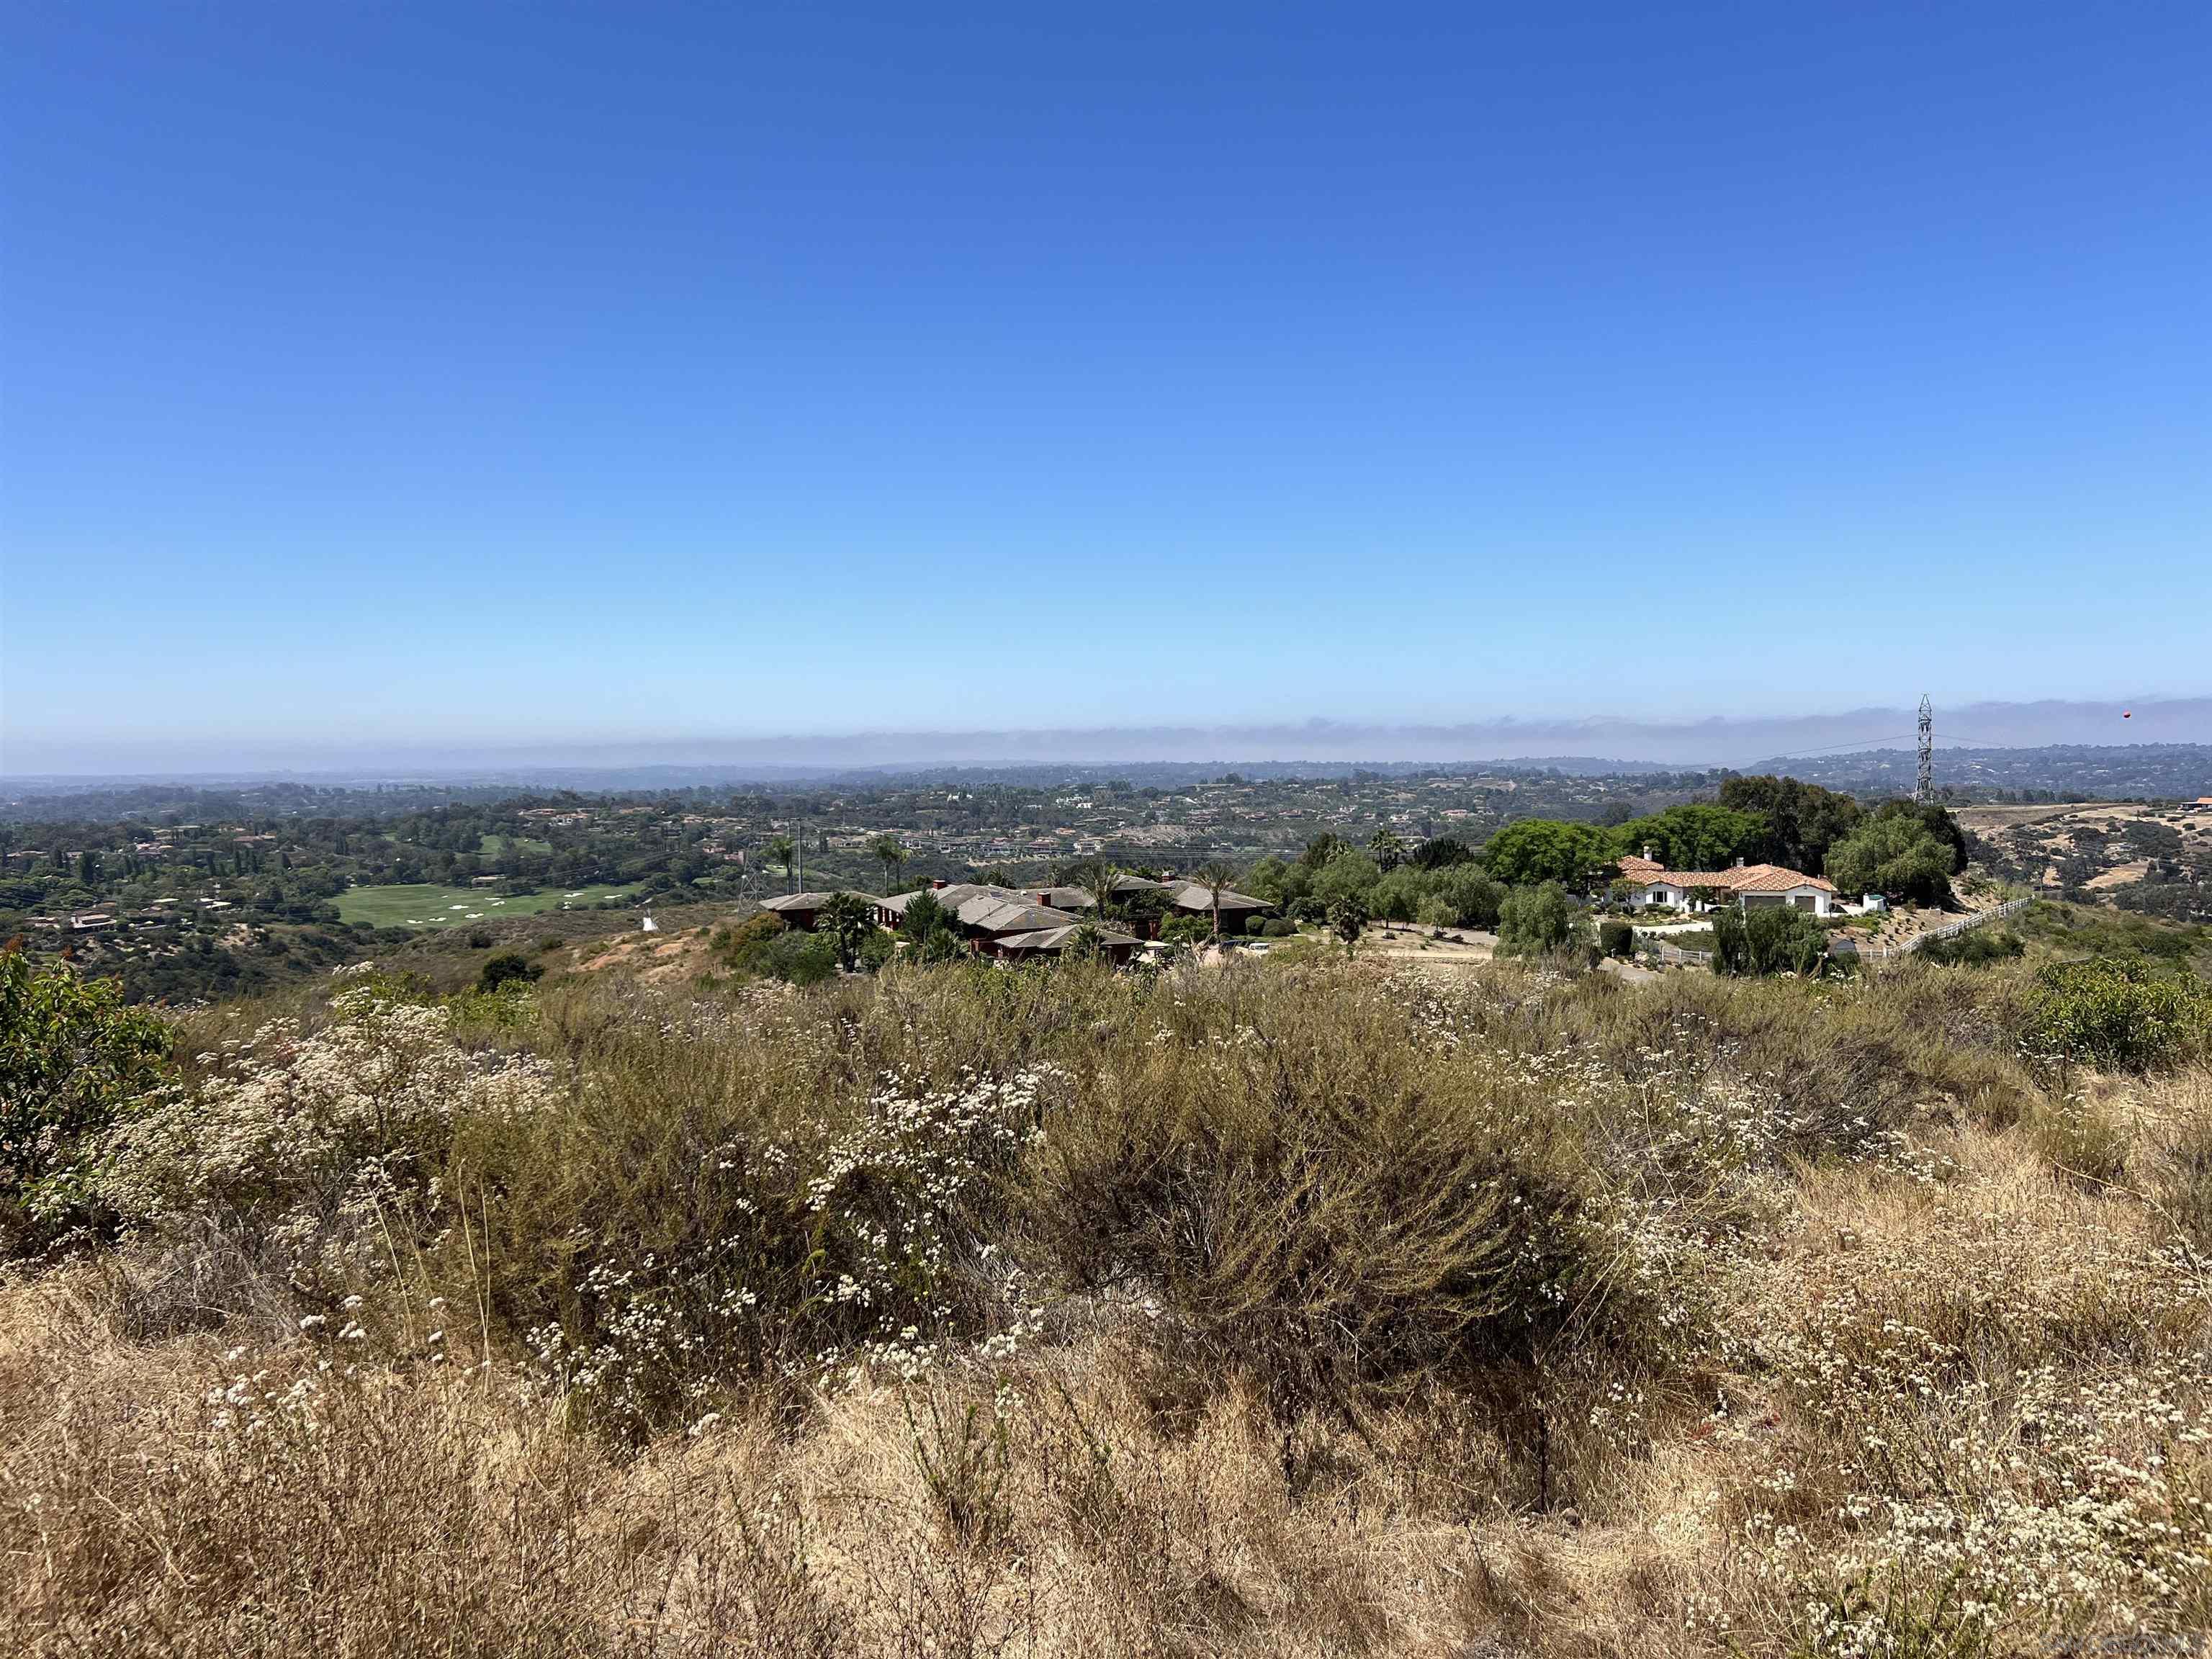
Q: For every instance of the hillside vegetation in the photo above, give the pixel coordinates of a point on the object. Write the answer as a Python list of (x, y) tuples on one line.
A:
[(1273, 1308)]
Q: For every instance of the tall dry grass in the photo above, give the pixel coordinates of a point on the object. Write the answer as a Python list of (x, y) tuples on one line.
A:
[(1311, 1311)]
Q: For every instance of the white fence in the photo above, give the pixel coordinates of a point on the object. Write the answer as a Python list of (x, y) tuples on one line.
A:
[(1674, 956), (1841, 946)]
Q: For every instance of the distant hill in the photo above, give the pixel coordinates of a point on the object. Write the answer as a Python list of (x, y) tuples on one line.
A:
[(2074, 771)]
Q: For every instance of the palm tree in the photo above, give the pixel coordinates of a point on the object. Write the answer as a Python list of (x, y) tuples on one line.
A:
[(1214, 877), (892, 855), (1100, 877), (1386, 850), (783, 850)]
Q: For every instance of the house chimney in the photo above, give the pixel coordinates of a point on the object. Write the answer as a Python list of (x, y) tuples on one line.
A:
[(1648, 858), (1738, 864), (937, 886)]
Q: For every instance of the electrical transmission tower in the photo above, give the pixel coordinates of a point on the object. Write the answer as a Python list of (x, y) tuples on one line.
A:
[(1924, 790)]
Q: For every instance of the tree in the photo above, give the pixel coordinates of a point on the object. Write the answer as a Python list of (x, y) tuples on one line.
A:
[(1215, 876), (1803, 820), (1348, 873), (508, 967), (1538, 850), (1101, 879), (1894, 854), (892, 855), (783, 850), (846, 920), (1938, 822), (1348, 920), (1534, 921), (1475, 898), (1319, 850), (71, 1057), (1386, 849), (1768, 939), (1442, 852), (1695, 836)]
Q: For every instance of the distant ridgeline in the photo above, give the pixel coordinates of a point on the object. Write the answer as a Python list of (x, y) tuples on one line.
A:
[(2072, 771)]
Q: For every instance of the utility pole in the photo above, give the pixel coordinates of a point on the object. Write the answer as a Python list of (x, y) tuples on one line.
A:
[(1924, 791)]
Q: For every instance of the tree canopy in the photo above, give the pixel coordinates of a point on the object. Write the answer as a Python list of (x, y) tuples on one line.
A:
[(1803, 820), (1895, 854), (1695, 836), (1536, 850)]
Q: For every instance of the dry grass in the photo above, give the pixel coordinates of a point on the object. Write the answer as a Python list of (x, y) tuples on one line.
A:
[(1291, 1312)]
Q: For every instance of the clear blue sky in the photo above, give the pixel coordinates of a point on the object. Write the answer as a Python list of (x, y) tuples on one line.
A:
[(442, 373)]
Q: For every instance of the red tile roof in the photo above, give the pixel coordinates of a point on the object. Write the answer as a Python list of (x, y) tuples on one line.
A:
[(1743, 879)]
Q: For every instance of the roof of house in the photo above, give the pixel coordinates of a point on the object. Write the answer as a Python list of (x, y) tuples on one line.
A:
[(1197, 895), (813, 901), (951, 897), (1056, 939), (1743, 879), (988, 915)]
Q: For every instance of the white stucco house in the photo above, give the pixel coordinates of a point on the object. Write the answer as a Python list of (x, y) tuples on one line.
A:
[(1749, 885)]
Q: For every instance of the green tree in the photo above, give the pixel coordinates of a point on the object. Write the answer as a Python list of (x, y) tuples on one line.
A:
[(846, 920), (891, 853), (1474, 897), (1349, 873), (1896, 855), (508, 967), (71, 1057), (1803, 820), (1695, 836), (1348, 920), (1536, 850), (1388, 851), (782, 850), (1215, 876), (1536, 920), (1319, 850), (1768, 939)]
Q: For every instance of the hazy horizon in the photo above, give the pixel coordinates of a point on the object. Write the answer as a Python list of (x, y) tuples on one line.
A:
[(1716, 741)]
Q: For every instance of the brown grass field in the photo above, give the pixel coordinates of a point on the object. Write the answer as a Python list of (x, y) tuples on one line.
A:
[(1303, 1308)]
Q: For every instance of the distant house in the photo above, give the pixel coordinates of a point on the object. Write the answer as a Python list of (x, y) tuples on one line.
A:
[(1196, 898), (1117, 948), (802, 910), (1749, 885)]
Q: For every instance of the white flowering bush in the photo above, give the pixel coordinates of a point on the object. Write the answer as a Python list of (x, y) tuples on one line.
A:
[(838, 1246), (306, 1138)]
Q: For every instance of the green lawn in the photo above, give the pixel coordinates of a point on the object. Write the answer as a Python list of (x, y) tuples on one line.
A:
[(492, 846), (421, 904)]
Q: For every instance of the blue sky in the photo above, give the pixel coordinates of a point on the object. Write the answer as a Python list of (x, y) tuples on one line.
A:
[(383, 375)]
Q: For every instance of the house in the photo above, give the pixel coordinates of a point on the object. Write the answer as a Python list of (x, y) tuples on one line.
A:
[(801, 910), (1750, 885), (1196, 898), (1116, 948)]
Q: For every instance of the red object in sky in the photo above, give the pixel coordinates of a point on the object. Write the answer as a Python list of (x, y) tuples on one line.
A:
[(2127, 713)]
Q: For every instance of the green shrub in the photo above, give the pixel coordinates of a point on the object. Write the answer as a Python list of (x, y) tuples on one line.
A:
[(1617, 938), (508, 967), (1768, 939), (71, 1058), (1536, 920), (1278, 928), (1978, 947), (2117, 1011)]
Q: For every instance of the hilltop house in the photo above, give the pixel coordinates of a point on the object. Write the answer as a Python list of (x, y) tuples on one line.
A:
[(1749, 885), (800, 910)]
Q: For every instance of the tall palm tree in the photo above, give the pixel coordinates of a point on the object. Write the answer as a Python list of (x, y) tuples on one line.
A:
[(1099, 877), (1215, 877), (783, 850), (892, 855)]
